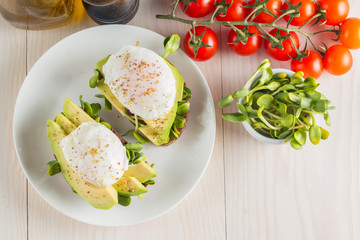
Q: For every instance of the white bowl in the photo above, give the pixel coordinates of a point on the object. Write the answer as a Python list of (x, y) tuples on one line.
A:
[(258, 136)]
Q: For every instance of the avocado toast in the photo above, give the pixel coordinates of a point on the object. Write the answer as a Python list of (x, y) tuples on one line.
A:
[(133, 181), (167, 126)]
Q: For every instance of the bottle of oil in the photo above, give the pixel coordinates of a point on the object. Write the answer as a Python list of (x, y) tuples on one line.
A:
[(41, 14)]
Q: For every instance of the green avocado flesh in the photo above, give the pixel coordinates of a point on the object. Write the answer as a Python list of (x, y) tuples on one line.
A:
[(98, 197), (157, 131), (129, 186), (141, 171)]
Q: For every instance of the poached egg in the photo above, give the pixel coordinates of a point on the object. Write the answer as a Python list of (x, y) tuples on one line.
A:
[(142, 81), (95, 153)]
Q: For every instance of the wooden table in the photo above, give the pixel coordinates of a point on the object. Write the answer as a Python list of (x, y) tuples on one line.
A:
[(249, 191)]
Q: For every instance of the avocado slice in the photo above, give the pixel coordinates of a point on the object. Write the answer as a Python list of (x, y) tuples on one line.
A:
[(65, 123), (75, 114), (157, 131), (141, 171), (129, 186), (98, 197)]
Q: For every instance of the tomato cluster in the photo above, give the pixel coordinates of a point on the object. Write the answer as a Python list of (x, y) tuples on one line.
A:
[(336, 60)]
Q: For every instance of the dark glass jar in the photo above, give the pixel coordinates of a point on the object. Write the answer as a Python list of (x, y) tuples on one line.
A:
[(111, 11)]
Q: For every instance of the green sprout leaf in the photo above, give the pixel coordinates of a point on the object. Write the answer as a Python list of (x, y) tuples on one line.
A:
[(265, 100), (320, 106), (171, 44), (306, 103), (179, 121), (282, 107), (225, 101), (93, 79), (285, 134), (295, 144), (108, 105), (327, 119), (97, 119), (324, 134), (183, 107), (234, 117), (315, 134), (300, 137), (138, 158), (82, 103), (96, 108), (187, 93), (106, 125), (240, 93), (140, 138), (150, 182), (88, 109), (242, 110), (124, 200), (134, 146), (288, 121)]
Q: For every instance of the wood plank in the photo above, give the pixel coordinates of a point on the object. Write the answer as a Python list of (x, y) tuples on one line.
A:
[(274, 192), (13, 189)]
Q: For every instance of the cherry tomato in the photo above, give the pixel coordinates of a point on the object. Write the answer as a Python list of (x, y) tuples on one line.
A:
[(312, 65), (273, 5), (234, 13), (251, 46), (204, 53), (350, 33), (338, 60), (199, 9), (307, 10), (288, 51), (336, 10)]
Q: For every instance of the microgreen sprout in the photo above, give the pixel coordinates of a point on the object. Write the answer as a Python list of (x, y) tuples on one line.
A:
[(171, 44)]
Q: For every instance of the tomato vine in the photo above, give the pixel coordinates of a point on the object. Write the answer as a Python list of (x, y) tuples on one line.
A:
[(292, 11)]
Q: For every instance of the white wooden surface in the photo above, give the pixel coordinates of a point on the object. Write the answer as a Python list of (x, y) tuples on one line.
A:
[(249, 191)]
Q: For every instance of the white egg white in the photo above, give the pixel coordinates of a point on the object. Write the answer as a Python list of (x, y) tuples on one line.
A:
[(142, 81), (95, 153)]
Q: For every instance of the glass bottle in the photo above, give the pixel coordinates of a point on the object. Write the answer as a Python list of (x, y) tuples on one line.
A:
[(41, 14)]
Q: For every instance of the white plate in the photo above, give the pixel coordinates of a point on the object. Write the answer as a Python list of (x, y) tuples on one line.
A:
[(64, 71)]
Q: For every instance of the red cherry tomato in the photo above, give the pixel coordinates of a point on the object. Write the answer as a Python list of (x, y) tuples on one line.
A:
[(307, 10), (350, 33), (273, 5), (312, 65), (338, 60), (336, 10), (287, 52), (199, 9), (204, 53), (234, 13), (251, 46)]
